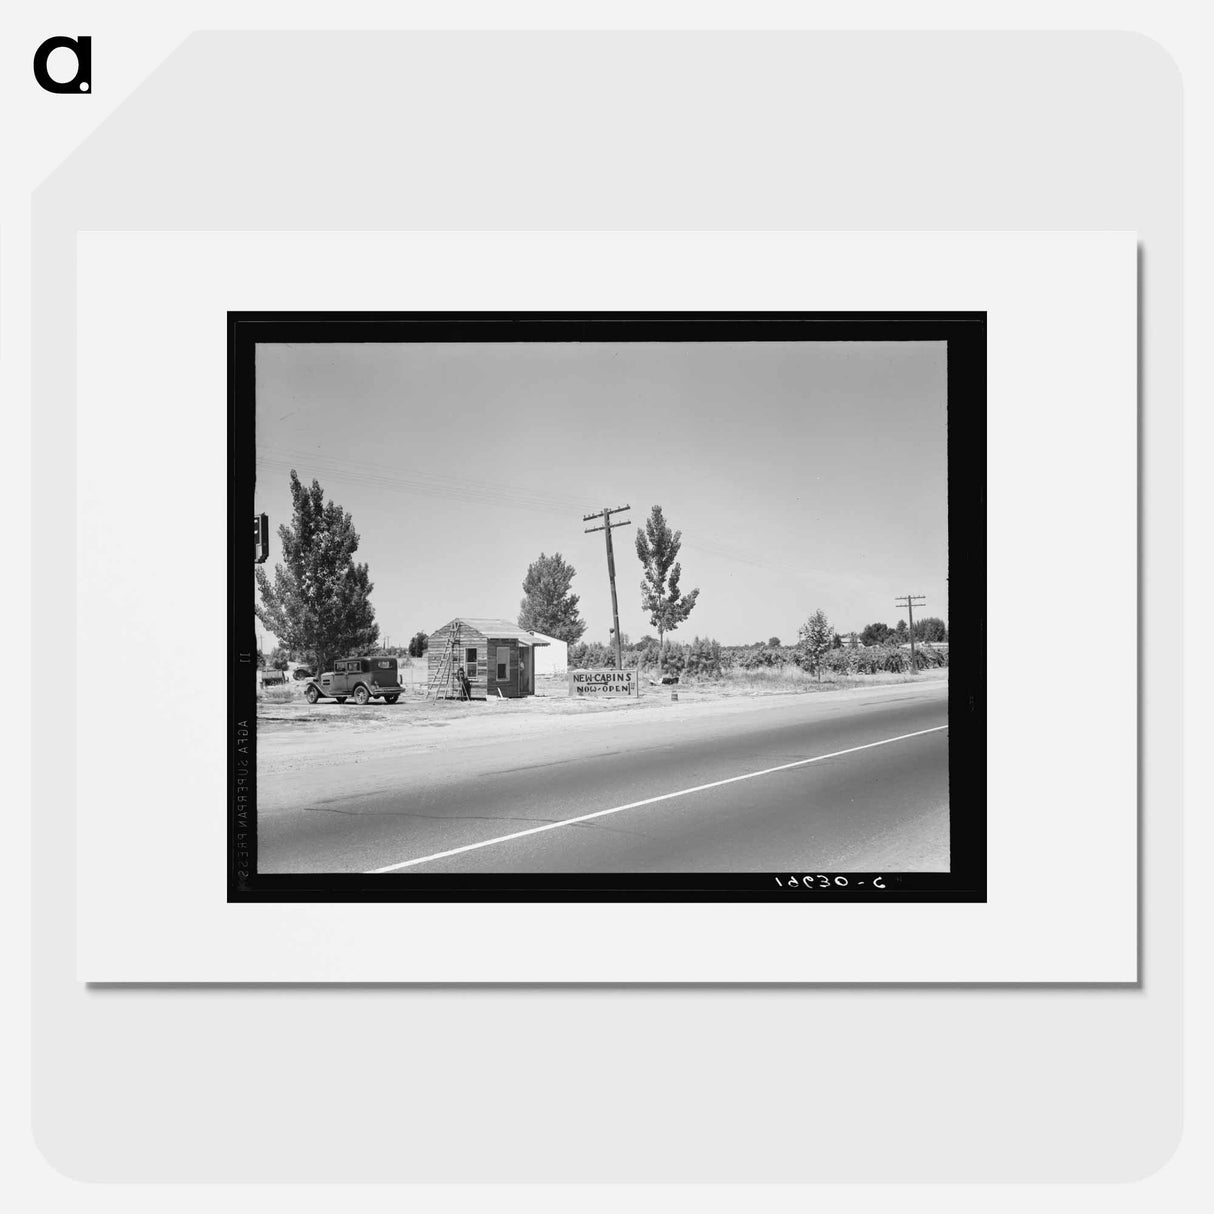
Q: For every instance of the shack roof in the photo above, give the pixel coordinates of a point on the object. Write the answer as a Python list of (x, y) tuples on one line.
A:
[(543, 639), (496, 629)]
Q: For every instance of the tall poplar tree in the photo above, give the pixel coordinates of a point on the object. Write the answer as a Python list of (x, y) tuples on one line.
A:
[(319, 601), (658, 551), (549, 606)]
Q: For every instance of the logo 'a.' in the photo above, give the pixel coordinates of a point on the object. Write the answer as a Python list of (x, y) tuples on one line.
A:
[(82, 81)]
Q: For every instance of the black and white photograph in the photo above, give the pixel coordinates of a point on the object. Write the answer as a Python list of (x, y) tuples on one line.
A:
[(607, 606)]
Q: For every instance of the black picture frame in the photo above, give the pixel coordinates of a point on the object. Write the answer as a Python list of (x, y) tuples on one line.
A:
[(965, 335)]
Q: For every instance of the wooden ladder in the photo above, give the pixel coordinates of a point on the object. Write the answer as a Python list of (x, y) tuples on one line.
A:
[(440, 682)]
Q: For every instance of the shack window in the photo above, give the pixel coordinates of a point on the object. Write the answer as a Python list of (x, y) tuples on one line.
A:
[(503, 663), (470, 662)]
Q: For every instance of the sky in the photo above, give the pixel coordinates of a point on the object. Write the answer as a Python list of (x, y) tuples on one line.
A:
[(803, 475)]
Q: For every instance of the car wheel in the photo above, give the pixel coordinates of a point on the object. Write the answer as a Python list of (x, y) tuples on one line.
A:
[(361, 696), (311, 695)]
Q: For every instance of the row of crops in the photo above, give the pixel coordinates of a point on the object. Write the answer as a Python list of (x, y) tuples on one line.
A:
[(706, 658)]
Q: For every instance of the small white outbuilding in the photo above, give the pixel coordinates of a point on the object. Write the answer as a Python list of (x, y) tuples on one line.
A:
[(553, 658)]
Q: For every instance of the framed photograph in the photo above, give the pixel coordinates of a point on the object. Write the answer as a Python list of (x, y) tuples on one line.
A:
[(819, 745), (607, 606)]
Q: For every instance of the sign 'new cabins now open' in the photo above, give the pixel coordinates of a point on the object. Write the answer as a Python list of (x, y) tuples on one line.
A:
[(604, 683)]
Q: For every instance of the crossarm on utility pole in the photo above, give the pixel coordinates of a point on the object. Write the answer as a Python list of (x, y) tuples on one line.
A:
[(603, 514), (910, 602)]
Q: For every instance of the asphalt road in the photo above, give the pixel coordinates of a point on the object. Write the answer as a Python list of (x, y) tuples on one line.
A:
[(860, 783)]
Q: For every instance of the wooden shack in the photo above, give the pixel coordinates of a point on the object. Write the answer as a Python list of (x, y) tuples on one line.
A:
[(496, 656)]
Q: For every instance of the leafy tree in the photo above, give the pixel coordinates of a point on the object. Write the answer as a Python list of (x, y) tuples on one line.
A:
[(418, 644), (875, 634), (658, 551), (591, 655), (930, 628), (549, 607), (853, 641), (774, 643), (279, 659), (901, 634), (319, 602), (814, 640), (836, 641)]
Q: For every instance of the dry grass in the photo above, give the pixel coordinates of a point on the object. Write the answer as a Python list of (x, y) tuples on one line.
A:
[(288, 693), (285, 708)]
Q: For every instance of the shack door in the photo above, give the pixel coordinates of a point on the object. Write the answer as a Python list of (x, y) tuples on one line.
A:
[(526, 682)]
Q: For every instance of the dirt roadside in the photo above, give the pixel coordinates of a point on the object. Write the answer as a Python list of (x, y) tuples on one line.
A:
[(294, 736)]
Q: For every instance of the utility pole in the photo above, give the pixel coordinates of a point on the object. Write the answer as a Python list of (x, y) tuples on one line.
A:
[(910, 602), (607, 528)]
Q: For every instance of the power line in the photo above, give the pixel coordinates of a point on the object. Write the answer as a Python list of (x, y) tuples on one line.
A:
[(431, 484), (425, 483)]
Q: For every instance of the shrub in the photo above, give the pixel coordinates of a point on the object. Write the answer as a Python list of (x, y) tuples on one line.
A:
[(702, 658), (643, 653), (882, 659), (590, 655), (673, 661), (760, 657), (842, 661)]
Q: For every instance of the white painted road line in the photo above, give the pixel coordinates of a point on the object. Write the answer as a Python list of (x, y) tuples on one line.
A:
[(666, 796)]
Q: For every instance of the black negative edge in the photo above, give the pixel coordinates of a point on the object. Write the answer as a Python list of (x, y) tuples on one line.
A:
[(965, 333)]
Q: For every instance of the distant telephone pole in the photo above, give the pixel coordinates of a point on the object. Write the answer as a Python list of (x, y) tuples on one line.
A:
[(910, 602), (607, 527)]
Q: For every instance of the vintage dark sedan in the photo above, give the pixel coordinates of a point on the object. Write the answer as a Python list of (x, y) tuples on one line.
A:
[(360, 679)]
